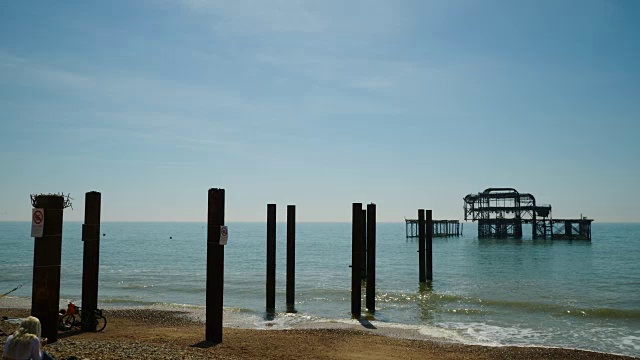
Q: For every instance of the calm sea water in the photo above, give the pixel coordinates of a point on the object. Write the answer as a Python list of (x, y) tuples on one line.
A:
[(575, 294)]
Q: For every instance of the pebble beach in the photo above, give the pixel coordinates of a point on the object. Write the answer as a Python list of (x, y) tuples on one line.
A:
[(144, 333)]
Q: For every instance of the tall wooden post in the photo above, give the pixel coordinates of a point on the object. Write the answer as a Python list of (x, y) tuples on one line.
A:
[(45, 293), (90, 259), (363, 248), (421, 240), (215, 267), (356, 249), (291, 257), (429, 235), (371, 258), (271, 257)]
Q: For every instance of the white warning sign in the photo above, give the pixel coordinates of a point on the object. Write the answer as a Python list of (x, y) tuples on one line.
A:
[(37, 222), (224, 235)]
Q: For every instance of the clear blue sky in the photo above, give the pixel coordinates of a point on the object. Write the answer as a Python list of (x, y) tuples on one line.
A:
[(408, 104)]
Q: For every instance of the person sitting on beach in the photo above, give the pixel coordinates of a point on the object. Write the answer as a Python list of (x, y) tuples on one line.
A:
[(25, 343)]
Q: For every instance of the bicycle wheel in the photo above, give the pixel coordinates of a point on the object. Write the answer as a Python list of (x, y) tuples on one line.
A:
[(68, 321), (101, 322)]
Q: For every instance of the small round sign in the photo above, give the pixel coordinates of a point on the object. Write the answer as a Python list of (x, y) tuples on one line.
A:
[(38, 216)]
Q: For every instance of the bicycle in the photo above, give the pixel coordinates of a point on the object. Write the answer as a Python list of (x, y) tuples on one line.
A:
[(73, 318)]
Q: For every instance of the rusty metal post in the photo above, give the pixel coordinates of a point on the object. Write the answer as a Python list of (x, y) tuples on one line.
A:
[(45, 293), (271, 257), (371, 258), (421, 240), (215, 267), (291, 257), (429, 240), (90, 259), (356, 249)]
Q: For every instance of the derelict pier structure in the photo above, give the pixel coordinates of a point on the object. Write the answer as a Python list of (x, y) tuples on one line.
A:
[(441, 228), (500, 213)]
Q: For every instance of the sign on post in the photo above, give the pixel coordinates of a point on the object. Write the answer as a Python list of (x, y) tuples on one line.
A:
[(224, 235), (37, 222)]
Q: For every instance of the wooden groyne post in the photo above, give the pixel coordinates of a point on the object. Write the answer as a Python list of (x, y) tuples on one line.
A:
[(90, 259), (363, 245), (291, 257), (271, 258), (215, 266), (421, 246), (45, 293), (356, 258), (429, 245), (371, 258)]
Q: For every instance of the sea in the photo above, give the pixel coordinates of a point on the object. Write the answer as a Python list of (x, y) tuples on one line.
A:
[(496, 292)]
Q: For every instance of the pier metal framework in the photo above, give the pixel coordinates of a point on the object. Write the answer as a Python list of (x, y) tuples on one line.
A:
[(500, 213), (441, 228), (571, 229)]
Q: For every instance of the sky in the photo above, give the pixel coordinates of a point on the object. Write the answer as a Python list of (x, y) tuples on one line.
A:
[(406, 104)]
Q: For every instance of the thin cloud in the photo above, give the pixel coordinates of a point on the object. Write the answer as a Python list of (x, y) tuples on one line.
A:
[(336, 18), (17, 66), (251, 16), (123, 87)]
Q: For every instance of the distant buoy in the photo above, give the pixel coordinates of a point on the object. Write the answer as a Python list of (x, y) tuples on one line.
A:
[(170, 237), (103, 234)]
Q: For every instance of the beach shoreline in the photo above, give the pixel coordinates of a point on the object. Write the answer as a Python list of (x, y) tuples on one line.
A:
[(163, 334)]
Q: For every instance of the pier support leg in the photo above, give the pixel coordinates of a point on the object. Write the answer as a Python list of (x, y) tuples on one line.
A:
[(356, 249), (45, 294), (421, 246), (271, 258), (215, 267), (291, 257), (429, 240), (371, 258), (363, 240), (90, 259)]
